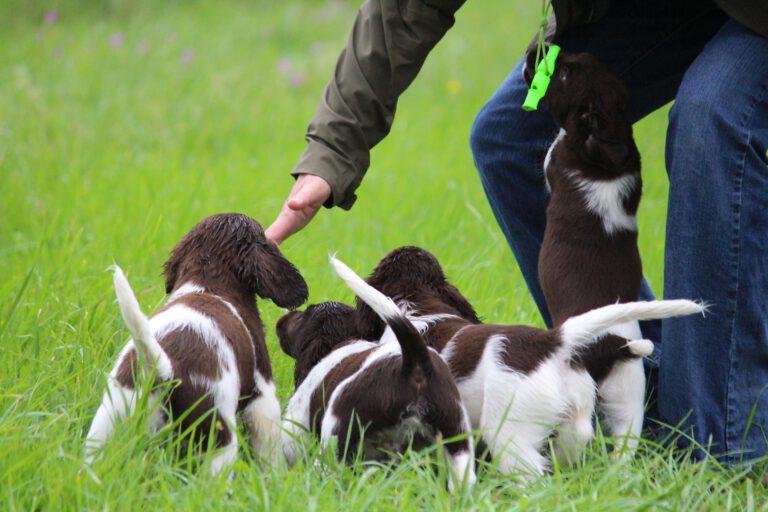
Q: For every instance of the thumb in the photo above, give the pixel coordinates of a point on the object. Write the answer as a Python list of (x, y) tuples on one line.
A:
[(310, 192), (298, 202)]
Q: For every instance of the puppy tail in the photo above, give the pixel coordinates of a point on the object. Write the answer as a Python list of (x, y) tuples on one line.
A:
[(152, 354), (414, 349), (584, 329)]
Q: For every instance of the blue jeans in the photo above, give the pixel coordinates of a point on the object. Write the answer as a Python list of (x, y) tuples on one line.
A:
[(712, 371)]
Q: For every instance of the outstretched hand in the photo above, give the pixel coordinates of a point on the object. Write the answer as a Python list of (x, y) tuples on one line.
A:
[(305, 199)]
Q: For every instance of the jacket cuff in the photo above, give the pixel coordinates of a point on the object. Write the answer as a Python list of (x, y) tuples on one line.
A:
[(320, 160)]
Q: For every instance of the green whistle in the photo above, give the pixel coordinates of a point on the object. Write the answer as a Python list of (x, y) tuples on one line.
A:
[(540, 82)]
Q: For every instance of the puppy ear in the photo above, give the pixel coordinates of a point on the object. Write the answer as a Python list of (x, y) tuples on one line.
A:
[(605, 120), (171, 272), (367, 324), (171, 267), (453, 297), (606, 153), (285, 334), (271, 276), (606, 142)]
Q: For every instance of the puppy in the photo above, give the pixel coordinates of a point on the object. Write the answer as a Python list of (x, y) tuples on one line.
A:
[(517, 382), (414, 279), (308, 336), (398, 390), (589, 256), (208, 339)]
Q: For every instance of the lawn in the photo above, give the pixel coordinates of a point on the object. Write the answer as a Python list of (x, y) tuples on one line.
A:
[(122, 123)]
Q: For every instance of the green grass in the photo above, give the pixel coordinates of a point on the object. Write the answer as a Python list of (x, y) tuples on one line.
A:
[(111, 152)]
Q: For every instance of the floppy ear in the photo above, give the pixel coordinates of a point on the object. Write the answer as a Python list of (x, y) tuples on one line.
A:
[(603, 145), (285, 332), (453, 297), (171, 272), (264, 269), (368, 325), (171, 267), (605, 122)]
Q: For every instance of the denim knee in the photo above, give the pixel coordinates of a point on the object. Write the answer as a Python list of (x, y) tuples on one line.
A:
[(698, 121), (481, 141), (708, 115), (506, 140)]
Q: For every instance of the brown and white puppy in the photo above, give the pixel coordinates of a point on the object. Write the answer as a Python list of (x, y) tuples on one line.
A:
[(387, 394), (208, 339), (413, 278), (589, 256), (517, 382)]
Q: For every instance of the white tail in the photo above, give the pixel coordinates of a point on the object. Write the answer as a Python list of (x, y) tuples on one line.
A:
[(414, 349), (380, 303), (584, 329), (145, 342)]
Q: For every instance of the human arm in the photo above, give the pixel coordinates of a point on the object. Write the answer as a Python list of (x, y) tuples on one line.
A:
[(389, 42)]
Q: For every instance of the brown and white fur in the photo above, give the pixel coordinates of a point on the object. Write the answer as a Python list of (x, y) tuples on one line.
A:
[(396, 388), (589, 256), (208, 339), (517, 382)]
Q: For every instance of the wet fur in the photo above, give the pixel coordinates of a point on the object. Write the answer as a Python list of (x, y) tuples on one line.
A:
[(210, 334), (396, 389), (517, 382)]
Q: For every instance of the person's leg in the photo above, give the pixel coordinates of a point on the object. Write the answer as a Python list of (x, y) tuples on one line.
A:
[(714, 370), (650, 44)]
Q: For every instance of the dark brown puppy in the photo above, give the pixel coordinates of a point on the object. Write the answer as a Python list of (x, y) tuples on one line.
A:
[(589, 256), (310, 335), (208, 337), (399, 390)]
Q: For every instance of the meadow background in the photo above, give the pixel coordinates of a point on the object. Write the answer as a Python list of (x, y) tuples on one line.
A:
[(124, 122)]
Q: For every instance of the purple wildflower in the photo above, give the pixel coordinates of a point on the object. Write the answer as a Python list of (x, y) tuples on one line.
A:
[(116, 40), (51, 17), (187, 56), (284, 66), (296, 80)]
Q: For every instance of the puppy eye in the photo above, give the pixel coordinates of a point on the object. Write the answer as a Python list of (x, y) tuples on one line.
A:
[(563, 73)]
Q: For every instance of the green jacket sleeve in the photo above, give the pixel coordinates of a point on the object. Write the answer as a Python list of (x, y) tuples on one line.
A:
[(389, 42)]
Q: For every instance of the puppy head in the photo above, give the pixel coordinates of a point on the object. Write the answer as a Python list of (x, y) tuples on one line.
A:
[(309, 335), (589, 101), (229, 251), (410, 273)]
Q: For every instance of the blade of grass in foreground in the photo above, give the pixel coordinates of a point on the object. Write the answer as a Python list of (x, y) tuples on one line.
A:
[(13, 309)]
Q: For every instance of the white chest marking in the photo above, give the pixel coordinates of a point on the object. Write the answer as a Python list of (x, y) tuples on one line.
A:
[(606, 200)]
